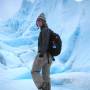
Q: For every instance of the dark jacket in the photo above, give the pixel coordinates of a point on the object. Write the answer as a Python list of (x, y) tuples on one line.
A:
[(43, 40)]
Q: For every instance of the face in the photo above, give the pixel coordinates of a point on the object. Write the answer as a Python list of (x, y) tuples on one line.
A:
[(39, 23)]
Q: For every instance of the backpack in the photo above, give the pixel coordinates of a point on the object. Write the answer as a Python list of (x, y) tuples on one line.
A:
[(55, 44)]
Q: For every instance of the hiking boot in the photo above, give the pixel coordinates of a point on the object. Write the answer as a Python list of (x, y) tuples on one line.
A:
[(48, 86), (45, 86)]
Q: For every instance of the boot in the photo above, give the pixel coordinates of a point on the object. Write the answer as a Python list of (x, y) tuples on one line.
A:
[(43, 86), (47, 86)]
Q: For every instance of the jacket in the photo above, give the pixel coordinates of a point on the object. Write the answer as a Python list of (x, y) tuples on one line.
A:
[(43, 40)]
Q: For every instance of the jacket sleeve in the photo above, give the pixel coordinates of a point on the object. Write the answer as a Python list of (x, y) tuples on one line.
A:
[(45, 40)]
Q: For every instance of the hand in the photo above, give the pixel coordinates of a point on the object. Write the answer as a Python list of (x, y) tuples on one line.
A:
[(40, 55)]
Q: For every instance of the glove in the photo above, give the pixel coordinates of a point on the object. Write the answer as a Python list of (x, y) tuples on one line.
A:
[(40, 55)]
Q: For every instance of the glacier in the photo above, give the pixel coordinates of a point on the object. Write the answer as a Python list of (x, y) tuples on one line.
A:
[(18, 44)]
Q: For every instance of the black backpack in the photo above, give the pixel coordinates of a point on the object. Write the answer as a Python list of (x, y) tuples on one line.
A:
[(55, 44)]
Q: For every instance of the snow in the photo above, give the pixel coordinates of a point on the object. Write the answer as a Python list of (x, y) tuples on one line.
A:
[(9, 8), (64, 81), (18, 44), (78, 0)]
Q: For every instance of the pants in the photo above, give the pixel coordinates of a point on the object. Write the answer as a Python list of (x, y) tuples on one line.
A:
[(41, 71)]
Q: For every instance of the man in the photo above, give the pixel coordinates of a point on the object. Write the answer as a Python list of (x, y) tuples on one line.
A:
[(41, 66)]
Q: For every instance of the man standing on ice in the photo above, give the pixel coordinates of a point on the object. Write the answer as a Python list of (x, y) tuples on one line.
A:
[(41, 66)]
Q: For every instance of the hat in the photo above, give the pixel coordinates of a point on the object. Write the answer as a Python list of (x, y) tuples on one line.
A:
[(42, 16)]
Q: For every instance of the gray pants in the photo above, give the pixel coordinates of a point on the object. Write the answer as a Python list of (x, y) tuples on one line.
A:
[(41, 71)]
